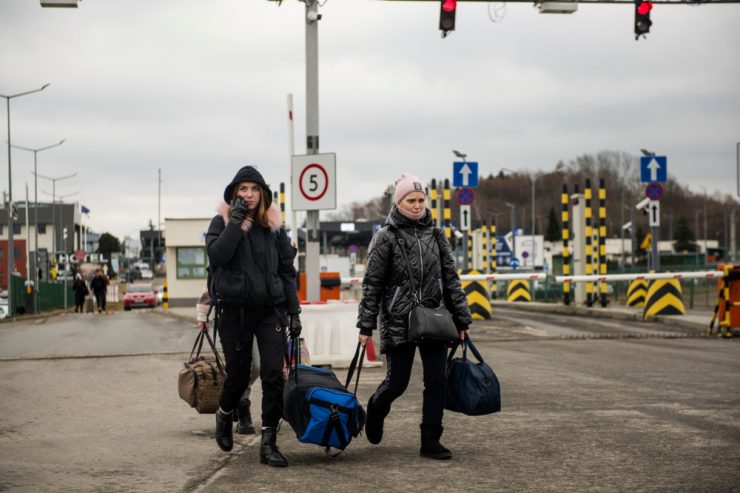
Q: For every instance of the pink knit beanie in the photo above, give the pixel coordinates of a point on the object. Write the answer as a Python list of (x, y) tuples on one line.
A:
[(407, 183)]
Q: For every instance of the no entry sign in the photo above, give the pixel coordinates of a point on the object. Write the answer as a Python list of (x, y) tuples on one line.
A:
[(314, 184)]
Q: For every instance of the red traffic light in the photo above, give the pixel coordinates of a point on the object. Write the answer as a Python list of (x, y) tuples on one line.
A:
[(644, 8), (451, 5)]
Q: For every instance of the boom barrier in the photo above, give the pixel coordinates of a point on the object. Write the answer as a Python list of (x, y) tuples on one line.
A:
[(711, 274)]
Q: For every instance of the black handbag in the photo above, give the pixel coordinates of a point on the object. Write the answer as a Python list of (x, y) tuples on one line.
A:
[(427, 325), (472, 388)]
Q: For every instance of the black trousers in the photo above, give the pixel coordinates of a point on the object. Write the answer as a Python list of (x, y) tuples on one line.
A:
[(238, 327), (400, 361), (100, 300)]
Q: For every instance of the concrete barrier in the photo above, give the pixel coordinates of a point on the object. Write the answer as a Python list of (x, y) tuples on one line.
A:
[(330, 333)]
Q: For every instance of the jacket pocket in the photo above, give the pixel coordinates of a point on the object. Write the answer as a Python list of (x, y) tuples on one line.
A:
[(230, 284), (394, 298)]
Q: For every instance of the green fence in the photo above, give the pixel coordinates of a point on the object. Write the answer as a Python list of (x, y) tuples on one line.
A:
[(51, 295)]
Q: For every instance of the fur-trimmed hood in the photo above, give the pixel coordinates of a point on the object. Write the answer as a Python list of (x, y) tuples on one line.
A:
[(274, 217)]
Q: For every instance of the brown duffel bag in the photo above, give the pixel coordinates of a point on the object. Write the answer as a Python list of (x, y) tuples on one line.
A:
[(200, 382)]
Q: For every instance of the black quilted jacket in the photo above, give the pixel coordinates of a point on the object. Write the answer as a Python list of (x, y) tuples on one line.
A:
[(386, 289)]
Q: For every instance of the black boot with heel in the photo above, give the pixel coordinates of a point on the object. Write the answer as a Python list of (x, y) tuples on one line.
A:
[(224, 433), (430, 446), (244, 426), (269, 452)]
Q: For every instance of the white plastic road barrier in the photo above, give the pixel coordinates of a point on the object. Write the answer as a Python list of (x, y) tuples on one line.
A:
[(531, 276), (330, 333), (710, 274)]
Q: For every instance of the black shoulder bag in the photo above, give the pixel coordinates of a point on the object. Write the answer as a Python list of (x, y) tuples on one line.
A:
[(426, 325)]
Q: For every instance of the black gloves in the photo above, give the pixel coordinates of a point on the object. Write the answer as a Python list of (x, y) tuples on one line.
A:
[(294, 326), (237, 211)]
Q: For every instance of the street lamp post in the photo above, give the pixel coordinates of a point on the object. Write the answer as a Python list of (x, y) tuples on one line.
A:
[(513, 228), (53, 204), (36, 219), (66, 268), (11, 250)]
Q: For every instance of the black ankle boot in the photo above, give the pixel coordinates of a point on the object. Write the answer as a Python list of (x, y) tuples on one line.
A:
[(373, 423), (269, 452), (224, 436), (430, 446), (244, 426)]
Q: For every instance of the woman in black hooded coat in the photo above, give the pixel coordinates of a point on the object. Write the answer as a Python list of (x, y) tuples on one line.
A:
[(254, 283), (387, 291)]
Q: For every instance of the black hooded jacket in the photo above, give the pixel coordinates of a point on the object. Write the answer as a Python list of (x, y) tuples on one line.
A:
[(386, 288), (252, 266)]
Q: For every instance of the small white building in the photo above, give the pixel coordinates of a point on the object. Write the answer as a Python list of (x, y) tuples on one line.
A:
[(187, 259)]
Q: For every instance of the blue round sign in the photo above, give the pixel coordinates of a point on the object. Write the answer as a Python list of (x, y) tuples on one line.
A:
[(654, 191), (465, 196), (514, 262)]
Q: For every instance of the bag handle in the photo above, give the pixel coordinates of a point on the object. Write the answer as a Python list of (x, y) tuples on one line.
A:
[(358, 355), (219, 363), (401, 243), (466, 343)]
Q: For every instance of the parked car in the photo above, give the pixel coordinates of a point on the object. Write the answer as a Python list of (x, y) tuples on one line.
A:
[(146, 273), (140, 295)]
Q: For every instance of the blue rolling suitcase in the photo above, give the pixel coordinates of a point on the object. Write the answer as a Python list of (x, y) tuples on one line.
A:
[(319, 408)]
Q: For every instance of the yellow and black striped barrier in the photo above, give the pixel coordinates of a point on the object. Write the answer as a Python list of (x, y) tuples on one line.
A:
[(518, 290), (478, 297), (664, 298), (165, 297), (636, 293)]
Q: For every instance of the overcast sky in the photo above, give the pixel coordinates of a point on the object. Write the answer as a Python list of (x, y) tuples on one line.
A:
[(199, 88)]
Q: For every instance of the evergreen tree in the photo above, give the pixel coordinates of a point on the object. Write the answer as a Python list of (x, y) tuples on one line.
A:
[(554, 232), (684, 238)]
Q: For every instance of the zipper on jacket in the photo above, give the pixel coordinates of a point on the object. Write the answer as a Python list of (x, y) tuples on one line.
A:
[(393, 299), (421, 266)]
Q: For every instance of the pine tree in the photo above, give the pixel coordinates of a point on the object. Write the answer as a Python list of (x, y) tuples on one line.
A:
[(553, 227), (684, 238)]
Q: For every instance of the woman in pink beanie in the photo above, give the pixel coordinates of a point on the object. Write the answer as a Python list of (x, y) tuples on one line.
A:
[(387, 291)]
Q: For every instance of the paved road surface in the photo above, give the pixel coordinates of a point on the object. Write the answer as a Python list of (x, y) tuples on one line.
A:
[(595, 409)]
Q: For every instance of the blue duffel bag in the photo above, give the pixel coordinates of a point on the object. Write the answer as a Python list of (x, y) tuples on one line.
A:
[(319, 408), (472, 388)]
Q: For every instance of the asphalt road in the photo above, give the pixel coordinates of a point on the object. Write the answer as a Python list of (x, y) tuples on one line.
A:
[(596, 405)]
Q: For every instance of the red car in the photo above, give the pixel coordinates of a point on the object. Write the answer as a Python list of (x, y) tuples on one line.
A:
[(140, 295)]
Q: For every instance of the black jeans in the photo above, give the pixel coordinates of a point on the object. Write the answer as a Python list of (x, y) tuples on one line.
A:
[(238, 327), (400, 360), (100, 299)]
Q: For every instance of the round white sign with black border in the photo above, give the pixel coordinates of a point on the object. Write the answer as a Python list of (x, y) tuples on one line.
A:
[(314, 184)]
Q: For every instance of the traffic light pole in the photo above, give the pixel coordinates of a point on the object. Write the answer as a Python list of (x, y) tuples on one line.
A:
[(313, 264)]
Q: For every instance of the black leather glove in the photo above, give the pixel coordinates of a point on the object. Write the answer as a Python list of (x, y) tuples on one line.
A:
[(294, 326), (237, 211)]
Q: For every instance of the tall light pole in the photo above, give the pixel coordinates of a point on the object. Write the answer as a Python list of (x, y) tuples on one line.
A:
[(36, 219), (53, 204), (513, 228), (466, 236), (11, 250)]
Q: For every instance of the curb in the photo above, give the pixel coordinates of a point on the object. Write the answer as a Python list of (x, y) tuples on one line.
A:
[(606, 313)]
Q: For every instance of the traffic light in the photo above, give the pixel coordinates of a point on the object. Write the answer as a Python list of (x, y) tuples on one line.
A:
[(447, 11), (642, 17)]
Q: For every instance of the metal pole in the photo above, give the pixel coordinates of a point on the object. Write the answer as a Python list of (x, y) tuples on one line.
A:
[(534, 264), (633, 238), (11, 249), (705, 227), (313, 264), (513, 231), (291, 152), (733, 251), (159, 213), (35, 237), (65, 269), (621, 219)]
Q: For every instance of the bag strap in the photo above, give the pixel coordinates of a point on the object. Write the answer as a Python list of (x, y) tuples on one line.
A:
[(401, 244), (334, 423), (198, 339), (469, 343), (219, 363), (358, 355)]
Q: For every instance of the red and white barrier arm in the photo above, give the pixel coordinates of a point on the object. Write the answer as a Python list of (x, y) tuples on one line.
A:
[(528, 276), (711, 274)]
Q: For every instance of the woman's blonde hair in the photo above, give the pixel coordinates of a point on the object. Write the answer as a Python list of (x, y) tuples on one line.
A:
[(260, 215)]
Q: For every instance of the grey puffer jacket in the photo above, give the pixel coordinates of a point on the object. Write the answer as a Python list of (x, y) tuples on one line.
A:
[(386, 288)]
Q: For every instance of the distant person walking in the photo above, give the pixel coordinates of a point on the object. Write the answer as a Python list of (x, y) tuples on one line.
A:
[(80, 289), (254, 283), (99, 286), (387, 291)]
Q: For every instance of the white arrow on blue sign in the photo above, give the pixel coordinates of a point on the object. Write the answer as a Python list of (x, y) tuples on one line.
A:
[(464, 174), (514, 262), (653, 169)]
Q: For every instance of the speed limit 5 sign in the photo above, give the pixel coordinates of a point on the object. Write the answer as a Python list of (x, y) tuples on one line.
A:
[(314, 182)]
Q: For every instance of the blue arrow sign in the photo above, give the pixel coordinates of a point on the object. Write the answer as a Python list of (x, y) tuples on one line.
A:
[(514, 263), (653, 169), (464, 174)]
